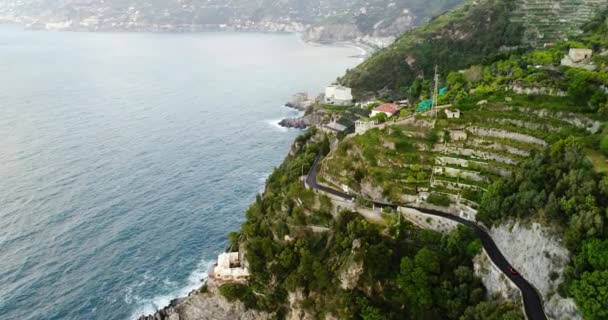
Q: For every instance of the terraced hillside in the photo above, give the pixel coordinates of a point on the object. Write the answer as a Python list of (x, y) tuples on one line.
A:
[(419, 156), (508, 110), (555, 20), (519, 141)]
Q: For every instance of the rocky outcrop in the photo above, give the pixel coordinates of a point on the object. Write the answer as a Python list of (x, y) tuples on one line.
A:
[(541, 258), (497, 284), (208, 305), (297, 123), (352, 270), (297, 106)]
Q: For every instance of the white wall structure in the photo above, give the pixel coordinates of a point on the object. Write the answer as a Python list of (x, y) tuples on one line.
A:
[(452, 114), (338, 95), (389, 109), (580, 55), (579, 58), (362, 126), (230, 268)]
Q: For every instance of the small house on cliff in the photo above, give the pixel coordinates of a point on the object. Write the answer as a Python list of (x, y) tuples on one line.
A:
[(338, 95), (230, 268), (579, 58), (389, 109)]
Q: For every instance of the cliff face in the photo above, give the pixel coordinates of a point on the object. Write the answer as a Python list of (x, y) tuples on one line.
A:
[(332, 33), (541, 258), (382, 34), (207, 304)]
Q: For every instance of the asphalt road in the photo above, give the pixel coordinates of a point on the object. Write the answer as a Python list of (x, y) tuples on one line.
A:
[(533, 304)]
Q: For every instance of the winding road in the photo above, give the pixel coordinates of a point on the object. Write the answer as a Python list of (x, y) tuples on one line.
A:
[(533, 304)]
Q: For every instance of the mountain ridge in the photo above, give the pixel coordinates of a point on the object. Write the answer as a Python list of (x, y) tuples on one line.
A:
[(377, 22)]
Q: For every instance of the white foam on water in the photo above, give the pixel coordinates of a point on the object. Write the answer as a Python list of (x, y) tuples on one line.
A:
[(148, 306), (275, 125)]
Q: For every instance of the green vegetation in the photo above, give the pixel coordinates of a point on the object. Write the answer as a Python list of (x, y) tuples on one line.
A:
[(591, 293), (439, 199), (559, 186), (382, 157), (529, 145), (407, 273), (471, 34), (491, 311), (236, 291), (604, 145), (335, 109)]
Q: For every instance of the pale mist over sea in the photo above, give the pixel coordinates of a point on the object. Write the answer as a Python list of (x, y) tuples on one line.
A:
[(126, 159)]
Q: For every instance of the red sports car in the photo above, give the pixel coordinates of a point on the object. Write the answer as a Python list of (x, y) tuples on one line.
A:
[(513, 271)]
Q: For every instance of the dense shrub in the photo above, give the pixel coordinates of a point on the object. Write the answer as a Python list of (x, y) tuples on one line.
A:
[(604, 145), (235, 291), (439, 199)]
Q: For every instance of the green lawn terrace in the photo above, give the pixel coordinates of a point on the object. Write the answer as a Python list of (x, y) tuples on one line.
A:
[(405, 160)]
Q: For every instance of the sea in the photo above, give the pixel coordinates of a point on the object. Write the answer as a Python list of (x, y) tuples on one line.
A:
[(127, 158)]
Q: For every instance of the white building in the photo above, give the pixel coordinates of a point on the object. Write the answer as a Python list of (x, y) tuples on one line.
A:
[(338, 95), (230, 268), (389, 109), (579, 58), (362, 126)]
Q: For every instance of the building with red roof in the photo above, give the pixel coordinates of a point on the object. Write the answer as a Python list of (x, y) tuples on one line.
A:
[(388, 108)]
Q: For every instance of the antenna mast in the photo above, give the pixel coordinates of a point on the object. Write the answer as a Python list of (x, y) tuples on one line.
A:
[(436, 93)]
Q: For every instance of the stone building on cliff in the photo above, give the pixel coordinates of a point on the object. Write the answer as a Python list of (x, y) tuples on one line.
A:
[(230, 268)]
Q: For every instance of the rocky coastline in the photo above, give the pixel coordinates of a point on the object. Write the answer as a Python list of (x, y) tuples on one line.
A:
[(205, 303), (295, 123)]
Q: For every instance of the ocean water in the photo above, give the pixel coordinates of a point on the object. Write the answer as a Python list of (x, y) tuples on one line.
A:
[(125, 159)]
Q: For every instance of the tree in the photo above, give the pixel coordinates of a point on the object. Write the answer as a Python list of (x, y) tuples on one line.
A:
[(456, 80), (380, 117), (474, 73), (491, 310), (604, 145), (595, 252), (421, 176), (237, 291), (591, 294), (369, 312), (416, 284), (234, 240), (325, 147), (546, 57), (579, 87)]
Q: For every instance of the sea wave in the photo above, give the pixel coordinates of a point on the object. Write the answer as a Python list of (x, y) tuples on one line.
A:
[(274, 123), (147, 306)]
